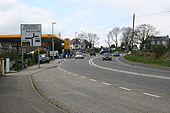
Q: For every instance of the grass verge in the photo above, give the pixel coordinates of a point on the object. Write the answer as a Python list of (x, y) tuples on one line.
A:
[(147, 60)]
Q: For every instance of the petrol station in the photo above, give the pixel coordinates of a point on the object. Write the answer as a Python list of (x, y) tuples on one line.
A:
[(13, 41)]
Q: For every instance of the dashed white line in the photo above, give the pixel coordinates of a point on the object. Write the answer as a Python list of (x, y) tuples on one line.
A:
[(152, 95), (106, 83), (125, 88), (93, 80), (75, 75), (82, 77)]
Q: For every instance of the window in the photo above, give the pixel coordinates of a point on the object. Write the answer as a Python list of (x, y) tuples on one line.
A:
[(152, 42), (158, 42), (164, 42)]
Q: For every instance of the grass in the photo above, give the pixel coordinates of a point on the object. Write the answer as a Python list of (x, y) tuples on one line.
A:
[(147, 60)]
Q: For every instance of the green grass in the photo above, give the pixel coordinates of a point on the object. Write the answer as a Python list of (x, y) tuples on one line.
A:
[(147, 60)]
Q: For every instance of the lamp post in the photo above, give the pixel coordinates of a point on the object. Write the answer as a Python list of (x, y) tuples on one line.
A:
[(53, 39)]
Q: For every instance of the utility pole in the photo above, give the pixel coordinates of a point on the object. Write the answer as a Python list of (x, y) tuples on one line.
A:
[(133, 28)]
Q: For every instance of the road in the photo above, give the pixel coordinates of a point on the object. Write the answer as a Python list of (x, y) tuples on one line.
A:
[(95, 86)]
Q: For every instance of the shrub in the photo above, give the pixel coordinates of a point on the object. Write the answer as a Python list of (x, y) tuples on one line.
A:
[(159, 50), (166, 57)]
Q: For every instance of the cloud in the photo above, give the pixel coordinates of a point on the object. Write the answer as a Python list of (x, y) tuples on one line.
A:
[(143, 7), (21, 13)]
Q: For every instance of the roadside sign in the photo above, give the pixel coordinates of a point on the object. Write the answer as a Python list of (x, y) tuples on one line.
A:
[(30, 35), (67, 43)]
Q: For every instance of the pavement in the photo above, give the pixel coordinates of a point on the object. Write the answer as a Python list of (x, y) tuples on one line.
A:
[(18, 94)]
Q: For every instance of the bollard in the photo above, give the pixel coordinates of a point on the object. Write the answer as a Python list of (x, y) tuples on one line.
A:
[(1, 66), (7, 65)]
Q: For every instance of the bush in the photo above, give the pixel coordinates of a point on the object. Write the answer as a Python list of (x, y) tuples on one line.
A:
[(159, 50), (166, 57), (12, 54)]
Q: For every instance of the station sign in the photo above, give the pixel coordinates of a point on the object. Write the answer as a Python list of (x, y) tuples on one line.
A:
[(30, 35), (67, 43)]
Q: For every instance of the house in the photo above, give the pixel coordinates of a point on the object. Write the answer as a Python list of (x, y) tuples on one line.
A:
[(157, 40), (77, 44)]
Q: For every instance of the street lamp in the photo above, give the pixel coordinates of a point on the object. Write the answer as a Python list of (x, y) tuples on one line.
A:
[(53, 38)]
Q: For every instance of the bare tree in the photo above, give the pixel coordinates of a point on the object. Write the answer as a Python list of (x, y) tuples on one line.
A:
[(143, 31), (93, 39), (126, 39), (113, 34), (90, 37)]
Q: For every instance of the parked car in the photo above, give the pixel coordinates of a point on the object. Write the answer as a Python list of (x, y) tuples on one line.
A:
[(44, 58), (107, 56), (79, 55), (116, 54)]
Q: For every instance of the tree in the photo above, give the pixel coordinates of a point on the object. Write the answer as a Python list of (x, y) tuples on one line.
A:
[(113, 34), (90, 37), (143, 31), (126, 39)]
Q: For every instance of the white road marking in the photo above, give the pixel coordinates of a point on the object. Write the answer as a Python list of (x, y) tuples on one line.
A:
[(75, 75), (82, 77), (148, 94), (125, 88), (106, 83), (127, 72), (93, 80)]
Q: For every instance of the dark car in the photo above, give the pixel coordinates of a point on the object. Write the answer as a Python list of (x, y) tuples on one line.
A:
[(92, 53), (116, 54), (107, 56)]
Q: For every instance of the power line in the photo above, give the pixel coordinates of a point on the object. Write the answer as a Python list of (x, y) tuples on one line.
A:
[(156, 13)]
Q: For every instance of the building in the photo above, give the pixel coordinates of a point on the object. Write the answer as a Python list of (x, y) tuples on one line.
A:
[(8, 42), (77, 44), (157, 40)]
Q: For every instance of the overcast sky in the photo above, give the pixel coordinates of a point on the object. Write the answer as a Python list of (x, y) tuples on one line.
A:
[(96, 16)]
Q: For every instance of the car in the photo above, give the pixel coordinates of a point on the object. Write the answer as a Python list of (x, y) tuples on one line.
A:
[(107, 56), (116, 54), (92, 53), (44, 58), (79, 55)]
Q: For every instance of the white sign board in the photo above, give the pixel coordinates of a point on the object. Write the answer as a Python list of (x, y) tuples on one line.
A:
[(30, 35), (55, 53)]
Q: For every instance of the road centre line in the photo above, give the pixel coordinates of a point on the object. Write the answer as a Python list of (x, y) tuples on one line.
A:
[(148, 94), (106, 83), (75, 75), (82, 77), (127, 72), (93, 80), (125, 88)]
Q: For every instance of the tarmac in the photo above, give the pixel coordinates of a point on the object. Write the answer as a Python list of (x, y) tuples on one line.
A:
[(18, 94)]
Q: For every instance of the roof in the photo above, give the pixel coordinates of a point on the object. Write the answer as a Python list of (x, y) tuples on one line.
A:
[(19, 36), (158, 38)]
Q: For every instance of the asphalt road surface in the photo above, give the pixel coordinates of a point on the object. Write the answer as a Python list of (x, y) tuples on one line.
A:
[(92, 85)]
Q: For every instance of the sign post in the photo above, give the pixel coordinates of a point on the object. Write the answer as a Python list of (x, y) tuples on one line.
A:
[(31, 36)]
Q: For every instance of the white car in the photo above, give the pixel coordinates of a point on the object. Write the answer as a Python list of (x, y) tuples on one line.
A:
[(79, 55)]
